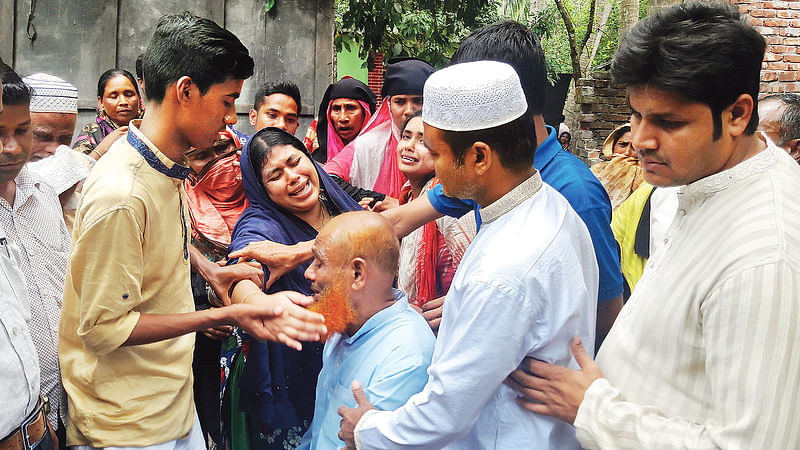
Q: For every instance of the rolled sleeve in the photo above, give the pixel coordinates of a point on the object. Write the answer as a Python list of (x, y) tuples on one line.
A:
[(106, 275)]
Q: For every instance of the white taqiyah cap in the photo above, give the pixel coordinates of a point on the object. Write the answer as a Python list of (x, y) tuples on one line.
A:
[(52, 94), (473, 96)]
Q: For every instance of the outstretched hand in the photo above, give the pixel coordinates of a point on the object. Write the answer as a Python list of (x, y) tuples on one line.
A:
[(278, 317), (278, 258), (351, 416), (554, 390)]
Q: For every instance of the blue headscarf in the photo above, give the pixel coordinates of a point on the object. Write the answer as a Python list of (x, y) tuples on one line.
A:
[(269, 363)]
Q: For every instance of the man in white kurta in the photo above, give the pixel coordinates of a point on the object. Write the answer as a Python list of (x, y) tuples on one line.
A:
[(704, 354), (526, 285)]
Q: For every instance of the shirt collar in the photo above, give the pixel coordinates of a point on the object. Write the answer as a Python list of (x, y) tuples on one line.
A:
[(706, 187), (153, 156), (548, 150), (380, 317), (513, 198), (26, 184)]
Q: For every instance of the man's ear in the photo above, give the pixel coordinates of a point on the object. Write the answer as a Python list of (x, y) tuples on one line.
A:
[(740, 112), (253, 117), (794, 149), (185, 90), (482, 157), (359, 270)]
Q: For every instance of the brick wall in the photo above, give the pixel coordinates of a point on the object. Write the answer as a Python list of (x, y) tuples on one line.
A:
[(779, 23), (599, 108), (375, 76)]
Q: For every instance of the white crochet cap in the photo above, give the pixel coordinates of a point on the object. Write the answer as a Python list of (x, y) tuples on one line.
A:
[(473, 96), (52, 94)]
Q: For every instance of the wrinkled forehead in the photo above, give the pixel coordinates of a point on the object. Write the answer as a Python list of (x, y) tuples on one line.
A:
[(770, 110)]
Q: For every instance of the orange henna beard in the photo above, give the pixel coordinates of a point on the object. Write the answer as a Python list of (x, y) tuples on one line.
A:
[(335, 307)]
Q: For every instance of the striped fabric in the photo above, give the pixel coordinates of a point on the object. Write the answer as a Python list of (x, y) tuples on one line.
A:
[(706, 354)]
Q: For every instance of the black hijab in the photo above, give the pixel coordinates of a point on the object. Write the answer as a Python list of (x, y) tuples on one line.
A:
[(345, 88)]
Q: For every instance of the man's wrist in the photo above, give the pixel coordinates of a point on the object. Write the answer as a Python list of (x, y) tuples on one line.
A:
[(361, 424)]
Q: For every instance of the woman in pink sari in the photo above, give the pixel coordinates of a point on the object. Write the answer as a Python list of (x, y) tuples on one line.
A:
[(370, 161)]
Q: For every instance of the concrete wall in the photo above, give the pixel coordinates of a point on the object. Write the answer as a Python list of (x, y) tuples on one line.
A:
[(79, 39)]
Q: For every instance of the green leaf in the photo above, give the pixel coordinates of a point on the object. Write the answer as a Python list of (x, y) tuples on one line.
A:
[(398, 47), (268, 4), (398, 8)]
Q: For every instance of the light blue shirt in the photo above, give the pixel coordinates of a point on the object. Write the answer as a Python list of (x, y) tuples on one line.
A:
[(526, 285), (389, 355)]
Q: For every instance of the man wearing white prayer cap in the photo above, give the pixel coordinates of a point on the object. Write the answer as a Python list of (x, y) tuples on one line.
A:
[(54, 109), (525, 287)]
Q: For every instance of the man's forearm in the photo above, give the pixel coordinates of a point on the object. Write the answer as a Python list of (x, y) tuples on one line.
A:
[(414, 214), (159, 327)]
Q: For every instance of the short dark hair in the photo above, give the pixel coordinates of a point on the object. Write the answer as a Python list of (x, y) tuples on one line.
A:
[(703, 52), (514, 142), (789, 122), (261, 144), (278, 87), (514, 44), (111, 73), (139, 66), (15, 91), (186, 45)]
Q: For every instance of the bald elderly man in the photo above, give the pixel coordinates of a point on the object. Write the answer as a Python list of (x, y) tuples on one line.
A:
[(376, 338)]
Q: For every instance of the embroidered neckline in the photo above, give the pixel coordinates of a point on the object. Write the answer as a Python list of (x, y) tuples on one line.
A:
[(512, 199), (710, 185), (176, 171)]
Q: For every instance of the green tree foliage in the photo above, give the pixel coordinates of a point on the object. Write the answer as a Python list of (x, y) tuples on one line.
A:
[(427, 29)]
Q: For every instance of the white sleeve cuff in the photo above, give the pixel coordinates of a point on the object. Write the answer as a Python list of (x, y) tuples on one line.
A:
[(364, 422)]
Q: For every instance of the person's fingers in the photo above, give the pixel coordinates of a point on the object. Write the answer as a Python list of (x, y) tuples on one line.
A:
[(534, 407), (416, 308), (299, 299), (241, 253), (581, 355), (358, 394), (289, 342), (434, 324), (433, 304)]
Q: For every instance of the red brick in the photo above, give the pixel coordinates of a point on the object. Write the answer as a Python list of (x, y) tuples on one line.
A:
[(794, 32), (773, 40), (776, 23), (778, 49), (769, 76), (793, 58), (762, 13), (787, 76), (756, 21), (791, 41), (766, 31), (776, 5), (777, 66), (787, 14), (772, 57)]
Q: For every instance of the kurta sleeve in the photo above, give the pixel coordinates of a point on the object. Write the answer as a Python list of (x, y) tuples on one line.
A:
[(107, 274), (750, 333), (464, 377)]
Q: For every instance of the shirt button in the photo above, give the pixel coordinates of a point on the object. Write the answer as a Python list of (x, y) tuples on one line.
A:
[(666, 239), (682, 212)]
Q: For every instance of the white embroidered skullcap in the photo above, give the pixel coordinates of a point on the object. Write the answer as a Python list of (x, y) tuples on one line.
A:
[(52, 94), (473, 96)]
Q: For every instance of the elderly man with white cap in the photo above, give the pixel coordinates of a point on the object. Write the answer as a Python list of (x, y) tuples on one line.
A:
[(509, 299)]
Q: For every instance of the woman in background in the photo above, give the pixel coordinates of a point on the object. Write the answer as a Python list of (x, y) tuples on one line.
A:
[(118, 102)]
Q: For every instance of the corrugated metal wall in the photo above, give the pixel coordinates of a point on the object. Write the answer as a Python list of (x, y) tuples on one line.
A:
[(79, 39)]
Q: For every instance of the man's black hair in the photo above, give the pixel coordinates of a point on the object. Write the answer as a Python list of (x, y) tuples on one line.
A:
[(111, 73), (278, 87), (703, 52), (15, 91), (186, 45), (514, 44), (789, 122), (139, 66), (514, 142)]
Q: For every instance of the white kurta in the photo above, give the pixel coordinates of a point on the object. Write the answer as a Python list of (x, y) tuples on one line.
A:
[(705, 353), (526, 285)]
